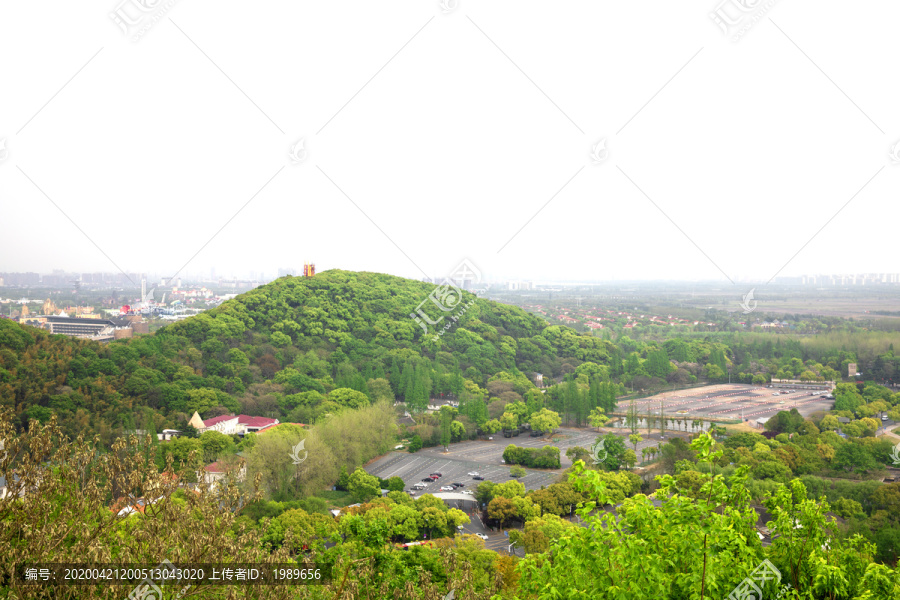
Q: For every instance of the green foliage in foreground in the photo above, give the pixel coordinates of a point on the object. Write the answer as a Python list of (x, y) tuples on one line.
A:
[(703, 546), (698, 543)]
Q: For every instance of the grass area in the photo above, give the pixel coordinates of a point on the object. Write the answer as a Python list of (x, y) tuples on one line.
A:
[(336, 498), (740, 428)]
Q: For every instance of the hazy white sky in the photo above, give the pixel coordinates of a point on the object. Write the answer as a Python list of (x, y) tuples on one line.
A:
[(431, 136)]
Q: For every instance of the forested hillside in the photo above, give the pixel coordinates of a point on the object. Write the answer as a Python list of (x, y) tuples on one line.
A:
[(281, 347)]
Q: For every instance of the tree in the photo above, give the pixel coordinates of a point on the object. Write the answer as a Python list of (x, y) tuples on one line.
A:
[(546, 421), (629, 458), (508, 489), (613, 453), (343, 480), (490, 427), (415, 444), (539, 533), (509, 421), (484, 493), (445, 419), (306, 529), (847, 508), (632, 417), (851, 456), (575, 453), (362, 486), (518, 471), (39, 526), (270, 457), (887, 497), (635, 439), (457, 431), (348, 397), (395, 484), (214, 443), (598, 418), (380, 389), (785, 422), (501, 509)]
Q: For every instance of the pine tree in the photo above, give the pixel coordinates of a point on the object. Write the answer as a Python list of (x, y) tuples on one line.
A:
[(594, 393), (408, 382), (396, 378)]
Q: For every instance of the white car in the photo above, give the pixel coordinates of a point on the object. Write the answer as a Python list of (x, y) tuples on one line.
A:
[(469, 492), (472, 473), (482, 536), (447, 488)]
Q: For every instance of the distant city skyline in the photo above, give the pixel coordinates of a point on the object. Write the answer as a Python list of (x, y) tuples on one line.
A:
[(61, 278)]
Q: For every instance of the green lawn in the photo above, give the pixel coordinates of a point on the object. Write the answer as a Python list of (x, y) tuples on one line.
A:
[(336, 498)]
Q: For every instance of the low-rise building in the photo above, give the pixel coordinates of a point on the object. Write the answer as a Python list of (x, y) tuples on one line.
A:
[(232, 424)]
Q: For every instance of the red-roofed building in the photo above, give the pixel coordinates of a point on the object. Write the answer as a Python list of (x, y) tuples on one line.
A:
[(231, 424), (123, 506), (212, 473)]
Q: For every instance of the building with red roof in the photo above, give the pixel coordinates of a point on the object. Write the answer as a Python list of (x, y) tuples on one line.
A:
[(231, 424)]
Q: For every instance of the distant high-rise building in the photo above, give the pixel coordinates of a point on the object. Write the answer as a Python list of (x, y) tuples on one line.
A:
[(309, 269)]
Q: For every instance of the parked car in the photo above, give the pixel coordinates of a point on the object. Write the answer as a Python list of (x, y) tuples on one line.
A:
[(478, 477), (482, 536), (884, 417), (412, 492), (472, 473), (447, 488), (469, 492), (428, 480), (435, 474)]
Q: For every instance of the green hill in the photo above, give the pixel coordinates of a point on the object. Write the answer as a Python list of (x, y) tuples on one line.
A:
[(280, 349)]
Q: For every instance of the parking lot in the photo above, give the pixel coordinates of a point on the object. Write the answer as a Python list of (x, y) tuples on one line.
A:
[(731, 401), (717, 402), (482, 457)]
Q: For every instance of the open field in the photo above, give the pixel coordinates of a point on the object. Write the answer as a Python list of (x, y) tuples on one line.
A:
[(729, 402)]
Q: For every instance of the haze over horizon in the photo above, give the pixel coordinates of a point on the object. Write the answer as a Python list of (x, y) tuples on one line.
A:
[(430, 137)]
